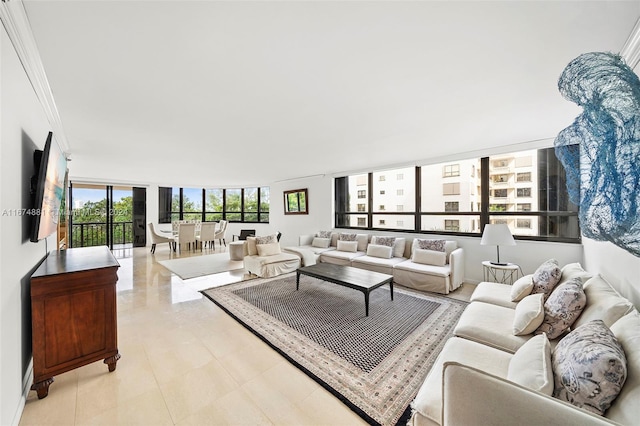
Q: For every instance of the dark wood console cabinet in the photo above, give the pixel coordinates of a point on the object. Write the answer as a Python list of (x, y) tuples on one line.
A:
[(73, 311)]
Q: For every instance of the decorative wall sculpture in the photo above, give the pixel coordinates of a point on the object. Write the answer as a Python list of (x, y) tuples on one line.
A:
[(601, 149)]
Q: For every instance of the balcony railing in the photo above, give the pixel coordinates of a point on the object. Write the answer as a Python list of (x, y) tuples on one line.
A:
[(95, 234)]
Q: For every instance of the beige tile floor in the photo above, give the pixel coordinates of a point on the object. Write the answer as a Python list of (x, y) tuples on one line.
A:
[(185, 362)]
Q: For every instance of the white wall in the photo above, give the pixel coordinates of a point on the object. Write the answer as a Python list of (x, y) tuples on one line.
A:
[(23, 128), (616, 265)]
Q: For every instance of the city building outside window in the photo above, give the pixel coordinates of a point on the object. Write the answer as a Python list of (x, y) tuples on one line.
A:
[(452, 225), (523, 192), (362, 207), (523, 223), (400, 176), (550, 214), (362, 193), (400, 192), (451, 170), (451, 206), (381, 222), (523, 177)]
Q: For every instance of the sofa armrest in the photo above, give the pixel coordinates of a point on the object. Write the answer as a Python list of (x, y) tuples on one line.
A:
[(305, 240), (471, 396), (456, 260)]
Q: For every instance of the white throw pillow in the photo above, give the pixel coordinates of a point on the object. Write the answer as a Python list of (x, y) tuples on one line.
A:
[(251, 246), (321, 242), (529, 314), (522, 288), (376, 250), (531, 365), (399, 246), (350, 246), (429, 257), (268, 249)]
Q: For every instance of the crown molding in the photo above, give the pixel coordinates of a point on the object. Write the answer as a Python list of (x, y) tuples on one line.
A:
[(14, 18), (631, 49)]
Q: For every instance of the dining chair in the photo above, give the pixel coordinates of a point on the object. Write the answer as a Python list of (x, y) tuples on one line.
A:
[(207, 234), (186, 235), (157, 238), (220, 233), (244, 233)]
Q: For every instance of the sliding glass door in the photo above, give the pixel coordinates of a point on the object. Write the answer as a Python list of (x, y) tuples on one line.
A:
[(114, 216)]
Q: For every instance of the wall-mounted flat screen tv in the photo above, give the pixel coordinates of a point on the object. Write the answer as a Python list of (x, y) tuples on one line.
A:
[(51, 165)]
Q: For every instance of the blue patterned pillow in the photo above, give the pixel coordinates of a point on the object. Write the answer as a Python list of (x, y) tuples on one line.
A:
[(324, 234), (562, 308), (348, 237), (589, 367), (435, 245), (546, 277)]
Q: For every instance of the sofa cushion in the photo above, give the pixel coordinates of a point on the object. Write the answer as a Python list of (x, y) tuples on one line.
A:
[(562, 308), (429, 257), (268, 249), (531, 365), (494, 293), (603, 302), (348, 246), (529, 314), (428, 401), (625, 409), (399, 247), (252, 250), (574, 270), (589, 367), (383, 251), (410, 266), (546, 277), (522, 288), (491, 325), (321, 242)]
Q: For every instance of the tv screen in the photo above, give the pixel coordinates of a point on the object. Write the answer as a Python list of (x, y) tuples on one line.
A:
[(51, 164)]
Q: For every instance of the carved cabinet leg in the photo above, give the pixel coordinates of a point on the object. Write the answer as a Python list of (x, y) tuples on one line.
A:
[(42, 388), (111, 362)]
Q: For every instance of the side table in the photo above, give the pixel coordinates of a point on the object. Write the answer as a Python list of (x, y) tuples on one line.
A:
[(505, 274), (236, 250)]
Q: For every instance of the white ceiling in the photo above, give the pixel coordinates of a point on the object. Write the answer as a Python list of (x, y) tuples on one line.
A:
[(220, 93)]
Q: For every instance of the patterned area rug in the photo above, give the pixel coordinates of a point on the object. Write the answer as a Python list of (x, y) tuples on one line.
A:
[(374, 364)]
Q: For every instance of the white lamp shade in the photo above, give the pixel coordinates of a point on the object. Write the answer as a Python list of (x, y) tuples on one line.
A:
[(497, 235)]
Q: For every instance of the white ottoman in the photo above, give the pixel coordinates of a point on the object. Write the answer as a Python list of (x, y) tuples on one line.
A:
[(236, 250)]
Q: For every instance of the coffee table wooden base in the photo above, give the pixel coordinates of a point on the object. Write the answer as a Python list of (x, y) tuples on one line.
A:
[(347, 276)]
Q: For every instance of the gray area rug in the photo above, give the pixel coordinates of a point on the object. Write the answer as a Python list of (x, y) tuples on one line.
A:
[(374, 364), (197, 266)]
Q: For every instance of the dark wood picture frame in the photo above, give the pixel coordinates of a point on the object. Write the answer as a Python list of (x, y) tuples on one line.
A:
[(296, 201)]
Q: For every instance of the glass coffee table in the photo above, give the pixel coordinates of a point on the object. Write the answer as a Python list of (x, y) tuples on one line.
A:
[(347, 276)]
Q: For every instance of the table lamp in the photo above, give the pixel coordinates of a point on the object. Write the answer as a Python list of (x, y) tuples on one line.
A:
[(497, 235)]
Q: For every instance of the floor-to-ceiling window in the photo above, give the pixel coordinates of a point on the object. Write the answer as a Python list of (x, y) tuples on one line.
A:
[(104, 215)]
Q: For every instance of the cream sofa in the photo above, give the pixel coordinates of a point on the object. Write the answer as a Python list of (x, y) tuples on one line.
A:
[(406, 271), (473, 380), (267, 262)]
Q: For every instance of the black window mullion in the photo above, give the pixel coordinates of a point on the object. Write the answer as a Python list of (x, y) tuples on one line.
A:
[(418, 201), (484, 192), (370, 200)]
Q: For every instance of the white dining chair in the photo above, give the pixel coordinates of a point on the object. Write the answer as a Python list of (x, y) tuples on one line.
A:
[(221, 232), (187, 235), (156, 238), (207, 234)]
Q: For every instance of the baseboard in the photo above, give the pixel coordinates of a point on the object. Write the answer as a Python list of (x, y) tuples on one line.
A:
[(26, 387)]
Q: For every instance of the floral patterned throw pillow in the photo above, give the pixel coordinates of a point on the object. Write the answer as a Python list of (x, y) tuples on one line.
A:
[(267, 239), (546, 277), (589, 367), (562, 308), (386, 241), (435, 245), (324, 234), (348, 237)]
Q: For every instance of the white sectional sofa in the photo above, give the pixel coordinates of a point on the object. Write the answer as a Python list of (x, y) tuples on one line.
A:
[(485, 375), (436, 272)]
